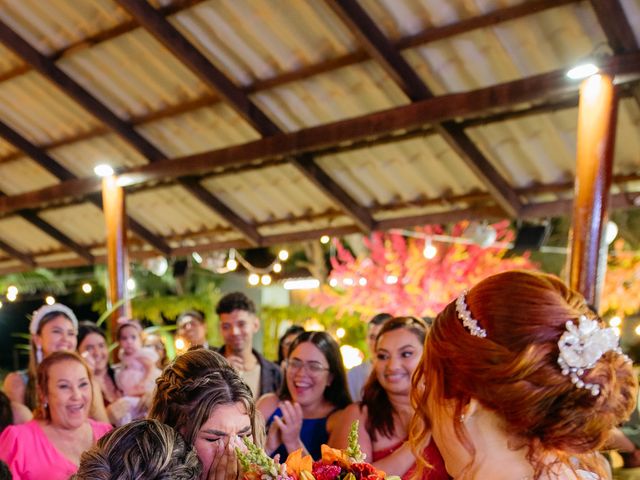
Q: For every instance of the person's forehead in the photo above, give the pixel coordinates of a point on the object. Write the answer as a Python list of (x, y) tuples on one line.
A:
[(237, 316)]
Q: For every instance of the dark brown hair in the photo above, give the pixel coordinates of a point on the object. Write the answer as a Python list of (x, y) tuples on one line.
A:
[(374, 396), (514, 371)]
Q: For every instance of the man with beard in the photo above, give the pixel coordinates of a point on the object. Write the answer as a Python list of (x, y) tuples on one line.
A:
[(238, 324)]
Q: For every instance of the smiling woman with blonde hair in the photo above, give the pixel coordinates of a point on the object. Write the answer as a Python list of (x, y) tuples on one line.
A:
[(49, 446)]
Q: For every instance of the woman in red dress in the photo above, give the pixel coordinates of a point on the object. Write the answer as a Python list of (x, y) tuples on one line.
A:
[(385, 411)]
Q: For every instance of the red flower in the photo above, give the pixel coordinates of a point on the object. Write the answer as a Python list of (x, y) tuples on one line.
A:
[(364, 471), (325, 472)]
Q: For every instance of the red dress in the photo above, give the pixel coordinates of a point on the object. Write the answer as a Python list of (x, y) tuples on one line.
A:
[(431, 454)]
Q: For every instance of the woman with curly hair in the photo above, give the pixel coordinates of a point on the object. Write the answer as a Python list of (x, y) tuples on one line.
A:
[(520, 380)]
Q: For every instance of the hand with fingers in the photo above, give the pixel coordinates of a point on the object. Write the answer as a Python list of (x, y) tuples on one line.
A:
[(290, 425), (224, 465)]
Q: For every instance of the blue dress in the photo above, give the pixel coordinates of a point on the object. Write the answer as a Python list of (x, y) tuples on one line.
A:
[(313, 434)]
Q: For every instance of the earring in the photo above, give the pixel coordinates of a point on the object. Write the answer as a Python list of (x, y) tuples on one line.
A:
[(461, 419), (38, 354)]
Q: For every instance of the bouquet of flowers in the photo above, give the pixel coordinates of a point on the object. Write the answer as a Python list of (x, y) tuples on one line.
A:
[(335, 464)]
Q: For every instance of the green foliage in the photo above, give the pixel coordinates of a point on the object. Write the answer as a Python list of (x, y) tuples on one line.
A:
[(276, 319)]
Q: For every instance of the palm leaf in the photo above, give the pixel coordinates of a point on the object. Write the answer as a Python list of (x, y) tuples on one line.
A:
[(110, 311)]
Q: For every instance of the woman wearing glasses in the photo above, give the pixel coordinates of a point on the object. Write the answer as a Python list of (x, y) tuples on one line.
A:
[(315, 387), (385, 411)]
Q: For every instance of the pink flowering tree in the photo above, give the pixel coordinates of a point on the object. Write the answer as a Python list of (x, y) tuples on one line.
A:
[(397, 278)]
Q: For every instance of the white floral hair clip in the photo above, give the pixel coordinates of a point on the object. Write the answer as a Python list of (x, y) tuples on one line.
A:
[(581, 346), (467, 320)]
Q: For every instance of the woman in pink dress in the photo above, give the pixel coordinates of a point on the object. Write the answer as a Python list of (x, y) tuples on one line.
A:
[(385, 411), (49, 447)]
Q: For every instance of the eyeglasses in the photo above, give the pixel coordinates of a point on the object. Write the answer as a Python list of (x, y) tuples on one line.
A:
[(313, 368)]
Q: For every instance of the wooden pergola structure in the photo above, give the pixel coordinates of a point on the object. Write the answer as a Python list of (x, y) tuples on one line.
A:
[(243, 124)]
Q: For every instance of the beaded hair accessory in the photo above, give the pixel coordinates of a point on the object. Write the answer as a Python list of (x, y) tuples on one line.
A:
[(39, 314), (467, 320), (581, 346)]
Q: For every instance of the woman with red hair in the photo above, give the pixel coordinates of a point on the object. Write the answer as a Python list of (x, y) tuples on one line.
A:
[(520, 380)]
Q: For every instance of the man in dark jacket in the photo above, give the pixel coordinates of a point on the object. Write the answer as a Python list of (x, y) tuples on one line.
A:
[(238, 324)]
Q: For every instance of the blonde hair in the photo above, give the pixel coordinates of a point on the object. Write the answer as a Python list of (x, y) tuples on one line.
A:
[(142, 449)]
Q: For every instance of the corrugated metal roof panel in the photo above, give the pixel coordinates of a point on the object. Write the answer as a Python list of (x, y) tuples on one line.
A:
[(405, 171), (197, 131), (302, 226), (541, 149), (81, 157), (632, 11), (171, 210), (8, 61), (343, 93), (539, 43), (258, 40), (270, 193), (133, 74), (24, 237), (55, 24), (23, 175), (40, 112), (83, 223), (6, 149)]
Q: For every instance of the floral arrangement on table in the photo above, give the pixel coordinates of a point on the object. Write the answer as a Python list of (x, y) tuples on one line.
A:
[(334, 464)]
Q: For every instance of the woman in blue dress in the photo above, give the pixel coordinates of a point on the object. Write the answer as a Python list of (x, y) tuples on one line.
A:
[(315, 388)]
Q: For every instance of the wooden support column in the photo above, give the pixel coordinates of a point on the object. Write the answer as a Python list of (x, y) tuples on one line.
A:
[(117, 258), (597, 116)]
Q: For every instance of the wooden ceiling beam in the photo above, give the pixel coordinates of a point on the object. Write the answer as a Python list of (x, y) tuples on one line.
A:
[(189, 55), (48, 68), (429, 35), (618, 31), (17, 254), (381, 49), (497, 98)]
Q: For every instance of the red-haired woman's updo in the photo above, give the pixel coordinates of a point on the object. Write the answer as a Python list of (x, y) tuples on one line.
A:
[(514, 371)]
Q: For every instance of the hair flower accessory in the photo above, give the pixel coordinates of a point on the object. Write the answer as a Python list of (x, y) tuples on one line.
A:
[(581, 346)]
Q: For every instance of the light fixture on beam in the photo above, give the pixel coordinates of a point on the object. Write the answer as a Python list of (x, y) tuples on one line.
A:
[(301, 284), (582, 71), (103, 170)]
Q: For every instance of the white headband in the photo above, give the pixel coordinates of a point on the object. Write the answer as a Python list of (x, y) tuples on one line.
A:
[(581, 345), (39, 314)]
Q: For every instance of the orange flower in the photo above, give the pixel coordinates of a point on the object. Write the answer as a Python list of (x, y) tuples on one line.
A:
[(333, 455), (296, 463)]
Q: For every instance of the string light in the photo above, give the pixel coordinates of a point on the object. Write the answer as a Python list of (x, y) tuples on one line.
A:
[(283, 255), (49, 300), (615, 321), (179, 344), (637, 329), (254, 279), (131, 284), (333, 282), (0, 304), (103, 170), (265, 279), (341, 332), (277, 267), (12, 290), (324, 239), (390, 279), (87, 288), (197, 257), (430, 251)]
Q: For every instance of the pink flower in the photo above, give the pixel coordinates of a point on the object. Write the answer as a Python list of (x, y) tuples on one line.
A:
[(325, 472)]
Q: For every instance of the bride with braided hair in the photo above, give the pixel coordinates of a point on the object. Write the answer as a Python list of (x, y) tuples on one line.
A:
[(204, 398)]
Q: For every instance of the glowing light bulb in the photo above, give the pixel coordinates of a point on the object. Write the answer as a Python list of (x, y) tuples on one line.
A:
[(232, 264), (131, 284), (197, 257), (391, 280), (324, 239), (103, 170), (637, 329), (362, 281), (265, 279), (615, 321), (348, 281), (179, 344), (12, 298), (341, 332), (283, 255), (351, 356), (277, 267), (582, 71), (333, 282), (87, 288), (12, 290), (49, 300), (254, 279), (430, 251)]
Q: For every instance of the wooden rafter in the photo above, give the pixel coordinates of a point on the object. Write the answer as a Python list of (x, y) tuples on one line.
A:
[(381, 49), (171, 38), (17, 254), (538, 88), (49, 69), (618, 31), (429, 35)]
